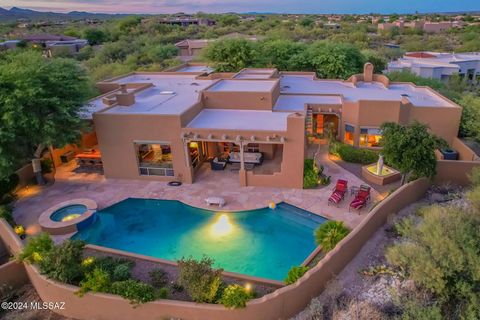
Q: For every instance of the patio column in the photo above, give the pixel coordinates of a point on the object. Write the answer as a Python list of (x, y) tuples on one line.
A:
[(187, 154), (242, 157)]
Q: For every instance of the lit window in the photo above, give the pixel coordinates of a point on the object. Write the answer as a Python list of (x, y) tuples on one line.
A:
[(154, 159), (253, 147), (370, 137), (349, 134)]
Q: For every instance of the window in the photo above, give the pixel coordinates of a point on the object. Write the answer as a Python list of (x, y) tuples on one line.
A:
[(349, 134), (154, 159), (370, 137), (230, 147), (252, 147)]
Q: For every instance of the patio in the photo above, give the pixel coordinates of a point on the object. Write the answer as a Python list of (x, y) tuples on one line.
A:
[(106, 192)]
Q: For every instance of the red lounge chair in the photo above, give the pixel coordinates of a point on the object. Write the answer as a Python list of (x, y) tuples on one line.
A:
[(338, 192), (362, 198)]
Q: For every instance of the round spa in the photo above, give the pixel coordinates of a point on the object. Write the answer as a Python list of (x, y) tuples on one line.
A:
[(68, 217)]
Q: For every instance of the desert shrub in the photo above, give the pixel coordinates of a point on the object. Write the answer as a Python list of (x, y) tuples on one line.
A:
[(121, 272), (161, 293), (97, 280), (8, 184), (47, 165), (134, 291), (329, 234), (310, 174), (118, 269), (474, 177), (295, 273), (349, 153), (235, 296), (440, 254), (201, 281), (36, 248), (6, 213), (158, 278), (64, 262)]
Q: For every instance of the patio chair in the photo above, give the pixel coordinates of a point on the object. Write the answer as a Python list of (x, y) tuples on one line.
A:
[(217, 165), (360, 201), (338, 193)]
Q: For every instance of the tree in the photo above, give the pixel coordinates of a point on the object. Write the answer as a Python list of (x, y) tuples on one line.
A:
[(470, 123), (94, 36), (410, 149), (379, 62), (334, 60), (329, 234), (40, 105), (231, 55), (278, 53)]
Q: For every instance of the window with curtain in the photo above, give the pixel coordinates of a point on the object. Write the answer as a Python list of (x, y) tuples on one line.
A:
[(349, 134), (370, 137)]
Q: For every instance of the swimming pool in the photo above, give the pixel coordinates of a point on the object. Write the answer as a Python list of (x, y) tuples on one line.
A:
[(263, 243)]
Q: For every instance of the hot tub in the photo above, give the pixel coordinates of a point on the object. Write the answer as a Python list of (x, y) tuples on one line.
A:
[(68, 217)]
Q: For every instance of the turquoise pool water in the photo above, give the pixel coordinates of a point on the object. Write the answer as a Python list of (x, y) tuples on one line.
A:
[(68, 212), (263, 243)]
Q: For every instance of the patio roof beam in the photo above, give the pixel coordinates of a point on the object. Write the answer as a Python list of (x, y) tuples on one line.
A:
[(233, 139)]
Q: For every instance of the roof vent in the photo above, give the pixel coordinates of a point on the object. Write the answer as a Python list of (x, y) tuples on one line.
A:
[(404, 95), (194, 84), (167, 92)]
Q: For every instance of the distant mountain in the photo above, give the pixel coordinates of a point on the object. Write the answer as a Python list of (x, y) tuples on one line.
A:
[(15, 13)]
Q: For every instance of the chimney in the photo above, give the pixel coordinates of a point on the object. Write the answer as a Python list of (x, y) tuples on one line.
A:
[(368, 72)]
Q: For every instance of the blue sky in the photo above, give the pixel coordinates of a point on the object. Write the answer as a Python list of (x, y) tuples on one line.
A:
[(291, 6)]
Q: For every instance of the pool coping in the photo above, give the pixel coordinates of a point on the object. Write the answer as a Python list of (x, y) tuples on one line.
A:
[(64, 227)]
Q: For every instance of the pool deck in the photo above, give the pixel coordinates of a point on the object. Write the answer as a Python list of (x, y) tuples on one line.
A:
[(106, 192)]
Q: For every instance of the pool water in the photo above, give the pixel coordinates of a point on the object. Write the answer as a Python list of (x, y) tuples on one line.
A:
[(68, 213), (263, 243)]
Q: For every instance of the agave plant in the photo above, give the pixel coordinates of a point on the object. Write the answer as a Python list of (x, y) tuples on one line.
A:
[(329, 234)]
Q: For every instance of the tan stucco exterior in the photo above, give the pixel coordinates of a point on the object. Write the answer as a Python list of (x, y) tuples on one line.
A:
[(117, 132)]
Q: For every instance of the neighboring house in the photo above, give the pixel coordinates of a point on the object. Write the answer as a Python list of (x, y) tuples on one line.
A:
[(331, 25), (43, 38), (185, 22), (439, 65), (164, 126), (9, 44), (429, 27), (189, 49), (61, 47)]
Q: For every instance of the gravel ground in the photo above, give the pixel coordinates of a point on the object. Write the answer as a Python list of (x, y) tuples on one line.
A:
[(142, 268), (350, 287), (27, 294)]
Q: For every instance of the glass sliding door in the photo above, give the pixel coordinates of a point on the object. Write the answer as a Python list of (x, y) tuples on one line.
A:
[(154, 159)]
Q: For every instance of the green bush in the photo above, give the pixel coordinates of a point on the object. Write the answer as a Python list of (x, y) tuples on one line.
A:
[(439, 251), (134, 291), (474, 177), (47, 165), (310, 174), (118, 269), (199, 279), (161, 293), (6, 213), (37, 248), (349, 153), (97, 280), (329, 234), (295, 273), (158, 278), (235, 296), (64, 262), (8, 184), (121, 272)]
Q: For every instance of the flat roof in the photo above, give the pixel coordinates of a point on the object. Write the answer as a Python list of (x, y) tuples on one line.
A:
[(170, 95), (243, 85), (206, 69), (297, 102), (224, 119), (375, 91)]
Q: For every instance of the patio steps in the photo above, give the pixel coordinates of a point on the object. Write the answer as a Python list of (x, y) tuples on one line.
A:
[(309, 121)]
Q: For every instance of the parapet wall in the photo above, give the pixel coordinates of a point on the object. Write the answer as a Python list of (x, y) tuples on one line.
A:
[(281, 304)]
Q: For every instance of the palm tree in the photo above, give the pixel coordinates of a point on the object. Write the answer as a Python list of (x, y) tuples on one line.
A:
[(329, 234)]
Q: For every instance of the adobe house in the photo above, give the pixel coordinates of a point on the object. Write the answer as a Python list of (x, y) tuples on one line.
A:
[(165, 125)]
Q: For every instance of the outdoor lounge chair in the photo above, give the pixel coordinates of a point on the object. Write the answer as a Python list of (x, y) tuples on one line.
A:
[(363, 196), (215, 164), (338, 192)]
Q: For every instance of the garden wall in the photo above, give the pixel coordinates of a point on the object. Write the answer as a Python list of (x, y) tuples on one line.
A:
[(13, 274), (281, 304), (454, 171)]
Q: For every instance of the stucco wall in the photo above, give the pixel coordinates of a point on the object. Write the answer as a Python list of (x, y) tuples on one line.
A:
[(13, 274), (450, 171), (281, 304)]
